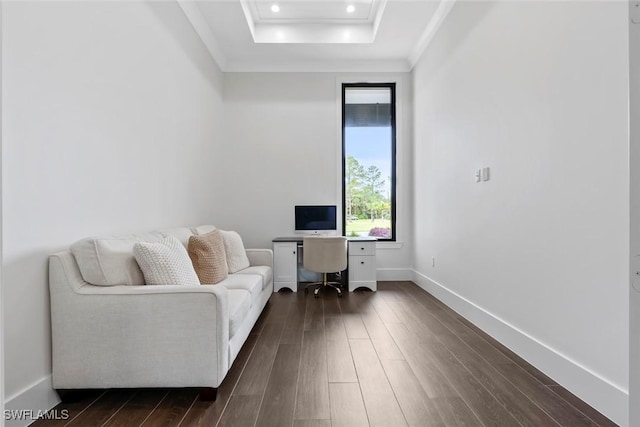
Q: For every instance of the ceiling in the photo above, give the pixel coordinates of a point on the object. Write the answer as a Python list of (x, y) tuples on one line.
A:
[(316, 35)]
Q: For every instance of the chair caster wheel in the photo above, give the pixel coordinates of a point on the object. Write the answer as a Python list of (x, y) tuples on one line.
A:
[(306, 290), (316, 296), (340, 295)]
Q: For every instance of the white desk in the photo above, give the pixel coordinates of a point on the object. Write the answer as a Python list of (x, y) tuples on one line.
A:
[(361, 267)]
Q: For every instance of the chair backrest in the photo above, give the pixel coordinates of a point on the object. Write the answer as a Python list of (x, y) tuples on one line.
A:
[(324, 254)]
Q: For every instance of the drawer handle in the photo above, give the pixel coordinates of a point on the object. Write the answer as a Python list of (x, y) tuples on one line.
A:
[(361, 262), (362, 249)]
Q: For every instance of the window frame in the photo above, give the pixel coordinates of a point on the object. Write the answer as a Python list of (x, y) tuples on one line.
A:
[(392, 87)]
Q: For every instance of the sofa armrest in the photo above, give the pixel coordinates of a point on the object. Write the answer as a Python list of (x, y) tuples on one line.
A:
[(260, 257), (135, 336)]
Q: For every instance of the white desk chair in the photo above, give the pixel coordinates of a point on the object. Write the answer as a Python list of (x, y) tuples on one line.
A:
[(324, 254)]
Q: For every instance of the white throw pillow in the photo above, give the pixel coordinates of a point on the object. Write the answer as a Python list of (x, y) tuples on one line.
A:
[(165, 263), (234, 248)]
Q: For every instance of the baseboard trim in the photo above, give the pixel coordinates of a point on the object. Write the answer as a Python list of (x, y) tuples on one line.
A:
[(393, 274), (34, 399), (603, 395)]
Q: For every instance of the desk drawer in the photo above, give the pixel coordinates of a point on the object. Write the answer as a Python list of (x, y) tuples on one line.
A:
[(362, 248), (362, 269)]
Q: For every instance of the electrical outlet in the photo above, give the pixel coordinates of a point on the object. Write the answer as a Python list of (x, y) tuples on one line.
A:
[(478, 175)]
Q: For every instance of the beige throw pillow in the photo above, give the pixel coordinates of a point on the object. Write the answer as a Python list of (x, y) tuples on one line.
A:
[(208, 257), (236, 256), (165, 263)]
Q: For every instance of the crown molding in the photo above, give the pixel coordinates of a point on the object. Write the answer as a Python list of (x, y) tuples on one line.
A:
[(359, 66), (430, 30), (201, 26)]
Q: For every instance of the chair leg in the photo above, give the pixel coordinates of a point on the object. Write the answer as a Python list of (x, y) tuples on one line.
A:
[(323, 285)]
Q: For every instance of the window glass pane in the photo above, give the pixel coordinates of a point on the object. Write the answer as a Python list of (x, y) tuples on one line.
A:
[(368, 150)]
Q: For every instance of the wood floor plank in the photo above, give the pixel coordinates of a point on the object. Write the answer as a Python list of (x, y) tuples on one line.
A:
[(331, 304), (173, 409), (347, 407), (137, 410), (314, 316), (294, 323), (476, 396), (206, 413), (380, 402), (277, 408), (311, 423), (385, 312), (446, 325), (340, 367), (241, 411), (399, 356), (73, 409), (455, 413), (102, 409), (380, 338), (473, 359), (558, 408), (416, 406), (429, 376), (583, 407), (312, 400), (256, 372)]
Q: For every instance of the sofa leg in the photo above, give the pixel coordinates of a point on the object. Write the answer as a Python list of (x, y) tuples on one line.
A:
[(71, 395), (208, 394)]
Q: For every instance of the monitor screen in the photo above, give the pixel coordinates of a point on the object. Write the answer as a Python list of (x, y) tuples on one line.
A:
[(315, 218)]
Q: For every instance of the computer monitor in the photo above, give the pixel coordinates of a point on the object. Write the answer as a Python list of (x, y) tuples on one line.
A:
[(315, 219)]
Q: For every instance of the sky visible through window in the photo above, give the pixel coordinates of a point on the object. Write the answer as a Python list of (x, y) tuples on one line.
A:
[(370, 146)]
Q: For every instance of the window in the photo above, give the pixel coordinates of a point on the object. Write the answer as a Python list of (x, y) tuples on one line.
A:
[(369, 160)]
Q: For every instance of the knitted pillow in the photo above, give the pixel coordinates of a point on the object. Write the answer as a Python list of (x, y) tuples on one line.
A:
[(236, 256), (165, 263), (208, 257)]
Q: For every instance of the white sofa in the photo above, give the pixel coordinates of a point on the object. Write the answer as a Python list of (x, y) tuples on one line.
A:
[(119, 333)]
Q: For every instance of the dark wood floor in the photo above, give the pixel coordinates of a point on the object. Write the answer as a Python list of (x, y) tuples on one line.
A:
[(395, 357)]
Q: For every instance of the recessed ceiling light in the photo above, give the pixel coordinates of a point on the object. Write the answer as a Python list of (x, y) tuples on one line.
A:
[(275, 8), (351, 8)]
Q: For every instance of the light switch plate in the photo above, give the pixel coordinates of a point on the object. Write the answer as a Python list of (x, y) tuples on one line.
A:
[(485, 174), (634, 12)]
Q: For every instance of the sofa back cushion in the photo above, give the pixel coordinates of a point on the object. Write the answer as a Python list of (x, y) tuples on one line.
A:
[(109, 260), (181, 233), (208, 257), (202, 229)]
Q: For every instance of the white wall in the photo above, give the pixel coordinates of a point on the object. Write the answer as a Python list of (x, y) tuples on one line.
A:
[(1, 281), (283, 148), (634, 244), (538, 255), (112, 116)]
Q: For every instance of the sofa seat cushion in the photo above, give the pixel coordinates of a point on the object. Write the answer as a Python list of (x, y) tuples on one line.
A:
[(239, 306), (263, 271), (251, 283)]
